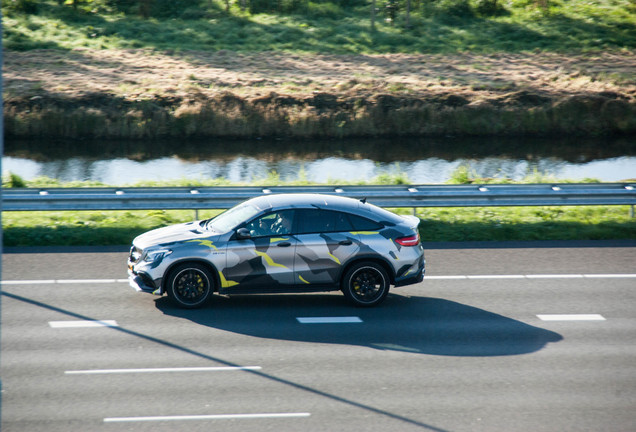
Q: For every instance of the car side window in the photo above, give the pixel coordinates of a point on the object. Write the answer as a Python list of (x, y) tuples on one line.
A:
[(316, 221), (322, 221), (275, 223), (363, 224)]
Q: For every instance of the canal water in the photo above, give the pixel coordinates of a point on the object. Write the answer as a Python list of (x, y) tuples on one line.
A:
[(421, 161)]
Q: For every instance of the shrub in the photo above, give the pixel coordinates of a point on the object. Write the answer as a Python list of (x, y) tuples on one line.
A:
[(21, 6)]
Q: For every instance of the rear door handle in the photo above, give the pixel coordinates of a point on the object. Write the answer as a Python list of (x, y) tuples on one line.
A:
[(346, 242)]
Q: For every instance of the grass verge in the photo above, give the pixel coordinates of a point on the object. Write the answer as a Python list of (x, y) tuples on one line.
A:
[(93, 228), (104, 228)]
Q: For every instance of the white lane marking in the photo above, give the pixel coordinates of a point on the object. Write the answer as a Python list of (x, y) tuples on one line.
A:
[(535, 276), (28, 282), (329, 320), (205, 417), (86, 281), (571, 317), (445, 277), (428, 277), (62, 281), (160, 370), (83, 324)]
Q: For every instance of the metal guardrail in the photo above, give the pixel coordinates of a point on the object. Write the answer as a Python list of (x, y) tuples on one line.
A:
[(386, 196)]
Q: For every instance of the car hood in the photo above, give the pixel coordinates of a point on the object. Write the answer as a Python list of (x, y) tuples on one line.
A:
[(171, 234)]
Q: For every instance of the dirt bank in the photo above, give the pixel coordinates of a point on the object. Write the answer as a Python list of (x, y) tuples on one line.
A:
[(136, 94)]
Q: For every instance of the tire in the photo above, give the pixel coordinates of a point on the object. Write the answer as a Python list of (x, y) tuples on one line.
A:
[(366, 284), (190, 285)]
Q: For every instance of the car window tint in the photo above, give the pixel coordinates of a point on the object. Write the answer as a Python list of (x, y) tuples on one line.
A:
[(316, 221), (363, 224), (343, 223), (275, 223)]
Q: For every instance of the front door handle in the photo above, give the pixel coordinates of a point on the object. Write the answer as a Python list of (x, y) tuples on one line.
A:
[(284, 244), (346, 242)]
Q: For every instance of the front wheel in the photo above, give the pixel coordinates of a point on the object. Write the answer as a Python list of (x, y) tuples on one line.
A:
[(189, 285), (366, 284)]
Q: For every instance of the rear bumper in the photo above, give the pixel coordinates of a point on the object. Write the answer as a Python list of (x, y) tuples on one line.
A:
[(415, 277), (419, 277)]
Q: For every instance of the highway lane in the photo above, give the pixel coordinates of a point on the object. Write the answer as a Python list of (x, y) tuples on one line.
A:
[(459, 354)]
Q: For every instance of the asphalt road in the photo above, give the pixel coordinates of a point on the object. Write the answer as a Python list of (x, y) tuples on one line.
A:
[(476, 347)]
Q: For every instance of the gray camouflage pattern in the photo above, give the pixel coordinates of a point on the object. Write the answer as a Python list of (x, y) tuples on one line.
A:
[(276, 258)]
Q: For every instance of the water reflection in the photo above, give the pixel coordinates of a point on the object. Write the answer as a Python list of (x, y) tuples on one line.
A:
[(352, 160)]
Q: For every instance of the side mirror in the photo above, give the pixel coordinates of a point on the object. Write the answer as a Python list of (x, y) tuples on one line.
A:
[(243, 233)]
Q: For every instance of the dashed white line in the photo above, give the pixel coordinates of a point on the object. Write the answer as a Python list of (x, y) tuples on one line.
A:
[(206, 417), (329, 320), (161, 370), (571, 317), (83, 324)]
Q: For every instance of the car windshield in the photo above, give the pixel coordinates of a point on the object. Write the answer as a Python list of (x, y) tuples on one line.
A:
[(232, 218)]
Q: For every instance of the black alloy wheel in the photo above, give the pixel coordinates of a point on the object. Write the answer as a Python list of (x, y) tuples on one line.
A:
[(190, 285), (366, 284)]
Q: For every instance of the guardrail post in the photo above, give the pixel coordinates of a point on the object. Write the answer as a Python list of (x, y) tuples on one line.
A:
[(631, 211)]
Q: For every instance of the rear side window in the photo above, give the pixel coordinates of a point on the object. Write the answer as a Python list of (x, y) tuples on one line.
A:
[(319, 221), (363, 224)]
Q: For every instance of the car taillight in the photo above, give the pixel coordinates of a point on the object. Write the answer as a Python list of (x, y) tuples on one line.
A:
[(413, 240)]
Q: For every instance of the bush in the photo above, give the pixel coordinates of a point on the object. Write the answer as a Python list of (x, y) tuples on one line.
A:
[(490, 8), (11, 180), (454, 8), (21, 6)]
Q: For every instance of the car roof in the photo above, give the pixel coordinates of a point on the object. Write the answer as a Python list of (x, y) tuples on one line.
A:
[(304, 200), (323, 201)]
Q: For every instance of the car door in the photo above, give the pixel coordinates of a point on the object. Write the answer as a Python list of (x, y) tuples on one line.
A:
[(325, 244), (264, 262)]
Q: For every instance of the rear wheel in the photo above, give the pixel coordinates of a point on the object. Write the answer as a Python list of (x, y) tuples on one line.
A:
[(366, 284), (190, 285)]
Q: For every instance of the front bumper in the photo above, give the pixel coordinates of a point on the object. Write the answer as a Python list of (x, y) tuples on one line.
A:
[(143, 284)]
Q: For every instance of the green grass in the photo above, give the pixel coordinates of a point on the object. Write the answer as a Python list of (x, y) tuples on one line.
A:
[(89, 228), (93, 228), (441, 26)]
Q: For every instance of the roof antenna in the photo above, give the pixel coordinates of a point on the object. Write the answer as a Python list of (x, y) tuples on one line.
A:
[(363, 200)]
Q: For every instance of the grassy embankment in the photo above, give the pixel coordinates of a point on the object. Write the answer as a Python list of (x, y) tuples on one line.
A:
[(316, 69), (438, 224)]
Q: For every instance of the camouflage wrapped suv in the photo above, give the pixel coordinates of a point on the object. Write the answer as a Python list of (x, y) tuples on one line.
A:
[(281, 243)]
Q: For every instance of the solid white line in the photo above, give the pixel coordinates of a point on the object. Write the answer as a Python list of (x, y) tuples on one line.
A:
[(160, 370), (28, 282), (329, 320), (83, 324), (428, 277), (85, 281), (205, 417), (62, 281), (445, 277), (571, 317)]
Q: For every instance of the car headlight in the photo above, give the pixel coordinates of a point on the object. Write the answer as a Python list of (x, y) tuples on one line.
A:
[(156, 255)]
